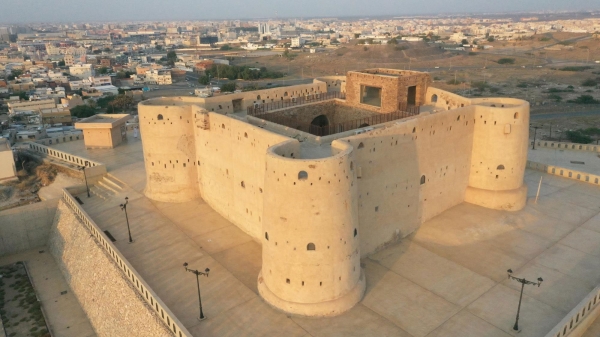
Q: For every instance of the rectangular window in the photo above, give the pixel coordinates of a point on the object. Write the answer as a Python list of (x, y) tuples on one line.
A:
[(370, 95)]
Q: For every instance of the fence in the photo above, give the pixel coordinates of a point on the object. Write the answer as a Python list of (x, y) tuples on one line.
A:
[(294, 101), (93, 170), (587, 310), (564, 172), (568, 146), (163, 312)]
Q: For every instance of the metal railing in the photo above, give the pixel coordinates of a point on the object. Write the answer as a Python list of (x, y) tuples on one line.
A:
[(134, 278), (64, 156), (260, 109)]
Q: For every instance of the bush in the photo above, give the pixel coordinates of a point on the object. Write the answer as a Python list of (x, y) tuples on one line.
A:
[(82, 111), (506, 60), (522, 85), (575, 68), (589, 83), (584, 99), (226, 47), (400, 48), (472, 53), (454, 82), (228, 87), (555, 97), (578, 136)]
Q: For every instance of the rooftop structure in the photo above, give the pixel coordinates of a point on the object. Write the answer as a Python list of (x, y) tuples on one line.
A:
[(103, 130), (8, 170)]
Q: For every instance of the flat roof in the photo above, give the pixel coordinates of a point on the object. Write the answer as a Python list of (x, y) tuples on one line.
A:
[(102, 121)]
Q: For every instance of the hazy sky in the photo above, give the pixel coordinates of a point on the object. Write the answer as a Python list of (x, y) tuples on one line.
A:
[(12, 11)]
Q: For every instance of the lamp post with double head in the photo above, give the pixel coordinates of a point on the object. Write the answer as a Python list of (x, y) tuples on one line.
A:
[(124, 208), (198, 273), (87, 188), (523, 282)]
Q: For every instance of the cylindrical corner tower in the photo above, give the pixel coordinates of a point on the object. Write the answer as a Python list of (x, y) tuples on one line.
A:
[(499, 157), (167, 131), (311, 258)]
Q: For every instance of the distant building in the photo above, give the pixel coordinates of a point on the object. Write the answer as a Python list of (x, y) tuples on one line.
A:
[(81, 70), (297, 42)]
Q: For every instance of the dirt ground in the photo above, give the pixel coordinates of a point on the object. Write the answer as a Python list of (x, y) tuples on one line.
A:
[(536, 74)]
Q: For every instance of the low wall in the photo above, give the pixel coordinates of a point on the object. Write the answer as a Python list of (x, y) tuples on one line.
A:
[(580, 318), (60, 139), (93, 170), (117, 301), (585, 177), (567, 146), (26, 227)]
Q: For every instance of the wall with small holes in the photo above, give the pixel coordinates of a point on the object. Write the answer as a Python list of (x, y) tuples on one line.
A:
[(311, 237)]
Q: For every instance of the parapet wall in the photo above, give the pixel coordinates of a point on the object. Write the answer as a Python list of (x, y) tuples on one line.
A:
[(112, 304)]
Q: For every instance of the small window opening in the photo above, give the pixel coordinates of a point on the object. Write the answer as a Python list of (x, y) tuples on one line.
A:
[(500, 167), (267, 236), (355, 232), (302, 175), (159, 117), (310, 246), (361, 145), (422, 179)]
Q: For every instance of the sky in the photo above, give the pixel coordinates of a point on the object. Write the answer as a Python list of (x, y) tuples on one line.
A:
[(14, 11)]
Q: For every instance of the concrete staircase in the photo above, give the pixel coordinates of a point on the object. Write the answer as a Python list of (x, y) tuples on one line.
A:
[(107, 187)]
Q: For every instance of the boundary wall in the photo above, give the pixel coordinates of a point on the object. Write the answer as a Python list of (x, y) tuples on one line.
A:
[(580, 318), (567, 146), (585, 177), (94, 170), (115, 297)]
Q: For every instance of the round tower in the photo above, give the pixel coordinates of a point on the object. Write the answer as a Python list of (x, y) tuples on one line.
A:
[(311, 257), (499, 157), (166, 128)]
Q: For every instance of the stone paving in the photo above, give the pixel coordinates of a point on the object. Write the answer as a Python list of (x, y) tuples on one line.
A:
[(568, 159), (446, 279)]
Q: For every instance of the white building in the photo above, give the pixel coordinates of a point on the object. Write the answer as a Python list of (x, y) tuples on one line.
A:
[(160, 77), (297, 42), (82, 70), (99, 81)]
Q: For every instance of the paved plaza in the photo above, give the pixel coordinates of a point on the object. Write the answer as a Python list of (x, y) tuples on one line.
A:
[(446, 279), (583, 161)]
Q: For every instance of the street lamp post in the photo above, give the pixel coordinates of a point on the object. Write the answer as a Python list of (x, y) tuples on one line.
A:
[(534, 135), (124, 208), (523, 282), (198, 273), (87, 188)]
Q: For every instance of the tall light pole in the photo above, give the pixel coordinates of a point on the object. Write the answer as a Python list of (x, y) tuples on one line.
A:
[(82, 168), (523, 283), (534, 134), (124, 208), (198, 273)]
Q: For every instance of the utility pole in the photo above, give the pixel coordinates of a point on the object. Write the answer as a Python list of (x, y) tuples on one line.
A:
[(523, 283)]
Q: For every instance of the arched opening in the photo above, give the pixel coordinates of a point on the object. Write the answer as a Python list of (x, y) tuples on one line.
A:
[(320, 121), (302, 175), (422, 179), (363, 125), (516, 115), (258, 97), (414, 130), (243, 184), (223, 126), (433, 98), (500, 167), (310, 246), (285, 94), (159, 117), (361, 145), (267, 236)]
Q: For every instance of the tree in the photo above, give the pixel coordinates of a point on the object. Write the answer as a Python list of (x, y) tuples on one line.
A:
[(584, 99), (226, 47), (491, 39), (228, 87), (61, 63), (204, 80), (393, 41), (464, 41), (171, 57), (589, 83), (103, 71), (107, 49), (506, 60), (124, 74), (103, 102), (14, 74), (158, 47), (578, 136), (82, 111)]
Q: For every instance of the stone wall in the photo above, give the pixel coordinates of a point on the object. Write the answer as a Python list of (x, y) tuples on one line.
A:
[(112, 305), (26, 227)]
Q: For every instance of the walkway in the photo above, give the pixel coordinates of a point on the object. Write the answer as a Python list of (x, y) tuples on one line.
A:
[(583, 161)]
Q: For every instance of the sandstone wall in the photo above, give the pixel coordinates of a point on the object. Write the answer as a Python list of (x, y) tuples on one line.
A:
[(26, 227), (112, 305)]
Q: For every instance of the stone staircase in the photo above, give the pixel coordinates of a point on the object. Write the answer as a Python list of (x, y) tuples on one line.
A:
[(107, 187)]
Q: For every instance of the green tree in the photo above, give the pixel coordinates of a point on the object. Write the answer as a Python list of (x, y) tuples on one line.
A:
[(61, 63), (204, 80), (506, 60), (82, 111), (584, 99), (158, 47), (171, 57), (578, 137), (103, 71), (393, 41), (228, 87), (589, 83), (464, 41), (103, 102), (226, 47), (14, 74), (491, 39)]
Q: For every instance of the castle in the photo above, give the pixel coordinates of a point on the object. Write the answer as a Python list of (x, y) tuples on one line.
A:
[(322, 174)]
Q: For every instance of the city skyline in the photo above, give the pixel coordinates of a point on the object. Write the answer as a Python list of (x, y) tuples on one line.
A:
[(136, 10)]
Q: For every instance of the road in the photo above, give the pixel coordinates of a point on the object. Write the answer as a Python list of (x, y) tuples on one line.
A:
[(565, 114)]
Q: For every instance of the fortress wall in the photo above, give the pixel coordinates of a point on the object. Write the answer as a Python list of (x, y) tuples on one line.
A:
[(334, 83), (232, 156), (336, 111), (112, 305), (311, 237), (499, 153), (26, 227), (444, 99), (169, 151), (392, 161), (389, 91)]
